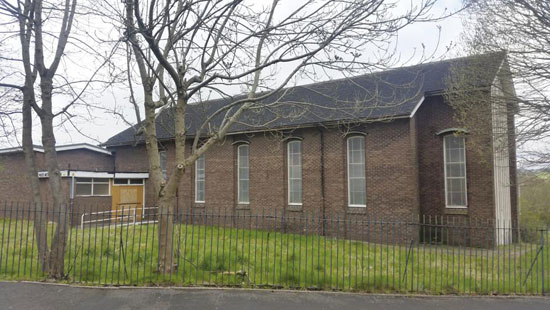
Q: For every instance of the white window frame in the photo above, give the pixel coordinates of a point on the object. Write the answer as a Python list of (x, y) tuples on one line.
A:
[(197, 179), (348, 171), (288, 173), (239, 174), (92, 182), (465, 206), (162, 153), (128, 182)]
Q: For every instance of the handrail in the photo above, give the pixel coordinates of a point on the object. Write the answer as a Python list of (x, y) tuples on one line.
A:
[(116, 217)]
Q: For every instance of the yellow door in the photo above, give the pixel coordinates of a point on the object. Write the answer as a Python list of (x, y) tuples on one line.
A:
[(127, 202)]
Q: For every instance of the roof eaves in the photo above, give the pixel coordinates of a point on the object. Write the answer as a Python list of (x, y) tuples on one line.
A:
[(61, 148), (79, 146), (281, 128), (38, 149)]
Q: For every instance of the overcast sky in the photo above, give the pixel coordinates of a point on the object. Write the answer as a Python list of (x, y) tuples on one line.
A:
[(101, 125)]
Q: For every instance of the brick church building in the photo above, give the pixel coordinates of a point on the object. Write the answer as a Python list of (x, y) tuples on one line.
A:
[(386, 144)]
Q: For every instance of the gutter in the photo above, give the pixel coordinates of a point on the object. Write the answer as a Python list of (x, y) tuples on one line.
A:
[(306, 125), (322, 171)]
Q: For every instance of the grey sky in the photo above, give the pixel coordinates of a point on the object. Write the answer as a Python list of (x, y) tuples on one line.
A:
[(101, 124)]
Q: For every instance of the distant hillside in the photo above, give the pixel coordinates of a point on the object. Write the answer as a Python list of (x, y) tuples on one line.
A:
[(534, 198)]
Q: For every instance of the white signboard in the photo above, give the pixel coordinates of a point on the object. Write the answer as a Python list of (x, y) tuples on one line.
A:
[(44, 174)]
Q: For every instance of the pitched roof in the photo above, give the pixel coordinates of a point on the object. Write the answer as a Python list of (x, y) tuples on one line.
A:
[(389, 94)]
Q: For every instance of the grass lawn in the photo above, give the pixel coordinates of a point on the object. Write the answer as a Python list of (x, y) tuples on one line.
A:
[(209, 255)]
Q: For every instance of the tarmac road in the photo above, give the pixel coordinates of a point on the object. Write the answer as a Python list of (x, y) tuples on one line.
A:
[(30, 296)]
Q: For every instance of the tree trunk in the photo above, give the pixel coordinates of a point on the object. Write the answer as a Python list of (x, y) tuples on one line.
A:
[(40, 221), (167, 195), (151, 145), (57, 252), (166, 235)]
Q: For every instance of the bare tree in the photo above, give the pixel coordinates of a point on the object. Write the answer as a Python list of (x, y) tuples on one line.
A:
[(43, 29), (522, 29), (189, 51)]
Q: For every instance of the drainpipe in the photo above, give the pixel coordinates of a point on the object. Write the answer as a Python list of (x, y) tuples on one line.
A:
[(71, 191), (322, 171)]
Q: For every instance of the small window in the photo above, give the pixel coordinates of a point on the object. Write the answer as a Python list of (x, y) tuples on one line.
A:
[(294, 162), (455, 171), (128, 181), (92, 187), (162, 155), (243, 170), (83, 189), (100, 189), (199, 179), (357, 195)]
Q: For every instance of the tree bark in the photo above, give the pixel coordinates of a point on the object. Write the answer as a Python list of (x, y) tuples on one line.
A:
[(40, 221), (57, 253), (151, 145), (168, 193), (166, 234)]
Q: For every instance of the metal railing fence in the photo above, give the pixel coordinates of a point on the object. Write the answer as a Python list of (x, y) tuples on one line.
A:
[(280, 249)]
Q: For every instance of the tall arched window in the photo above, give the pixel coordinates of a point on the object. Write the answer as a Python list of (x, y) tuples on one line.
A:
[(162, 155), (243, 171), (357, 193), (294, 162), (200, 179), (455, 171)]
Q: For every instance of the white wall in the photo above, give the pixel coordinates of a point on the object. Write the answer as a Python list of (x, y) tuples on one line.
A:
[(501, 163)]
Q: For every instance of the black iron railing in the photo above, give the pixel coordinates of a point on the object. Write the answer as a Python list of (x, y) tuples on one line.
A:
[(276, 249)]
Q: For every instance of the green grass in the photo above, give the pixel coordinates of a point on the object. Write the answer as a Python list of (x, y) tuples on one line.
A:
[(207, 255)]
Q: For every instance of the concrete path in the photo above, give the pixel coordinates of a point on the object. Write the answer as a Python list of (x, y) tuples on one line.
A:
[(30, 296)]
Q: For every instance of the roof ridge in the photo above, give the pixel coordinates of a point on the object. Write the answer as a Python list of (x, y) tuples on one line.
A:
[(355, 76)]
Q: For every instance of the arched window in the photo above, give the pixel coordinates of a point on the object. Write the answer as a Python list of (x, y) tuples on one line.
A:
[(243, 174), (357, 193), (455, 171), (200, 179), (294, 162), (162, 155)]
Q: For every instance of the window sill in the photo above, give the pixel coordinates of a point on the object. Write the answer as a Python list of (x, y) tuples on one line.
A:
[(356, 210), (456, 210), (243, 206), (198, 205), (294, 207)]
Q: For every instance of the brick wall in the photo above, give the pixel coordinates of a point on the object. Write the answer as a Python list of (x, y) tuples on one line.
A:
[(15, 190), (391, 173), (433, 116), (85, 160), (14, 182), (404, 172), (130, 158)]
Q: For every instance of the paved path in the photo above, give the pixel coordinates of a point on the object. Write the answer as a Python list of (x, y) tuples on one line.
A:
[(30, 296)]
